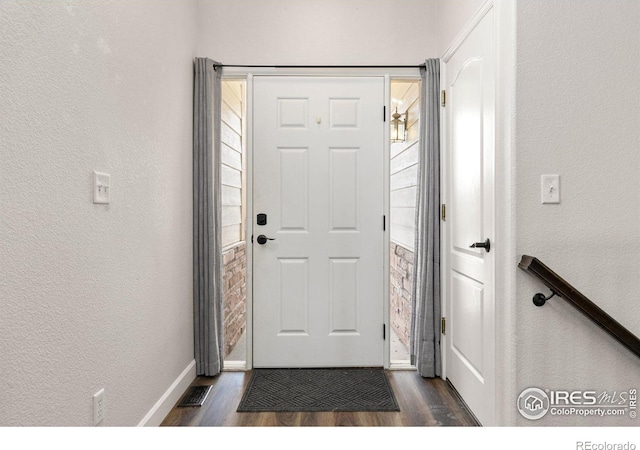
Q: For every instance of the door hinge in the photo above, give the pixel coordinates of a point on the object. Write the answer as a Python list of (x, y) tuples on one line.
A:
[(384, 223), (444, 212), (443, 98), (444, 326), (384, 113), (384, 331)]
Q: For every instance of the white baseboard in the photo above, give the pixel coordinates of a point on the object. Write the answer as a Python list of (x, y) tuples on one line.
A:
[(163, 406)]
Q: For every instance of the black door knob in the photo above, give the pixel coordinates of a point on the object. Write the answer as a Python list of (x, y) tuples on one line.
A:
[(485, 245), (262, 239)]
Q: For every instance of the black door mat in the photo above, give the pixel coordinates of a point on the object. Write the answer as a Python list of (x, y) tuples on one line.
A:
[(313, 390), (195, 396)]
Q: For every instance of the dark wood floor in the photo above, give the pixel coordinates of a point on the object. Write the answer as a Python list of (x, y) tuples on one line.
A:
[(422, 401)]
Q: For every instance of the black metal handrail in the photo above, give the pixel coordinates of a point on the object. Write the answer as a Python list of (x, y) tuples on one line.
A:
[(563, 289)]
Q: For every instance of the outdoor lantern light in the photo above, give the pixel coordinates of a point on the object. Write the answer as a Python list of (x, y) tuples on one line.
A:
[(398, 126)]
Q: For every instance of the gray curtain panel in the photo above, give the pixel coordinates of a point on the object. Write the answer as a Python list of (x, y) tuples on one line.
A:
[(207, 251), (426, 320)]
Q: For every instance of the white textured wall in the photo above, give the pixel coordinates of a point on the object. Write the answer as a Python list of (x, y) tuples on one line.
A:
[(318, 32), (94, 296), (578, 115), (453, 15)]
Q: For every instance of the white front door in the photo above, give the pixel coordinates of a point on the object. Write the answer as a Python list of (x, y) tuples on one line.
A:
[(469, 273), (318, 173)]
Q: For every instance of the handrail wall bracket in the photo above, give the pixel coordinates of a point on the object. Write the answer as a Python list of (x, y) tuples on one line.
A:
[(540, 299), (563, 289)]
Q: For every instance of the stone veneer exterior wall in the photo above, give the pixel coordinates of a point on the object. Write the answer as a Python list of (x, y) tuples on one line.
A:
[(401, 291), (234, 295)]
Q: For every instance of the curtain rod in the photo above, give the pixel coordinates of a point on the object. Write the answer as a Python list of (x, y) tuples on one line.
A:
[(317, 67)]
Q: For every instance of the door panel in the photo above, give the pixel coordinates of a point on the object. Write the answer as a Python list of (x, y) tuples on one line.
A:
[(293, 296), (293, 189), (466, 157), (343, 289), (470, 271), (343, 173), (318, 175), (466, 313)]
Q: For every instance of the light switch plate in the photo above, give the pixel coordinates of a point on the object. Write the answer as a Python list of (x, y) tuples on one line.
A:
[(98, 407), (101, 187), (550, 189)]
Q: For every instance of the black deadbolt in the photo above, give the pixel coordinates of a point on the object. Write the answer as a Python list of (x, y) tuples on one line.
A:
[(262, 219)]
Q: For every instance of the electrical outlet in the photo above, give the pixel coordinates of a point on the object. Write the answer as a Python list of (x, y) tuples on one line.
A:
[(98, 407)]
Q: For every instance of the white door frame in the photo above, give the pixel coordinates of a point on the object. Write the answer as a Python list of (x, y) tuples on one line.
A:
[(248, 74)]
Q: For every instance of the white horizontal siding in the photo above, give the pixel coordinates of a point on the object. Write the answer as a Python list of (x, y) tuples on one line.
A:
[(404, 166), (231, 157), (405, 197), (404, 236), (404, 216), (231, 196), (230, 137), (406, 158), (232, 175), (230, 234), (405, 178), (230, 117), (231, 215)]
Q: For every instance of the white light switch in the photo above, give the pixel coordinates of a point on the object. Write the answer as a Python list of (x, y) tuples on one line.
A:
[(101, 187), (550, 188)]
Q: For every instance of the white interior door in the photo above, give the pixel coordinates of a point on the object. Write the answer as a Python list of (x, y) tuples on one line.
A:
[(318, 177), (469, 275)]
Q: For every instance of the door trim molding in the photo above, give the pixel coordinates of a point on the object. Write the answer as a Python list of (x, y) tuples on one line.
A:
[(248, 75), (386, 238), (249, 219), (242, 72), (506, 257)]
